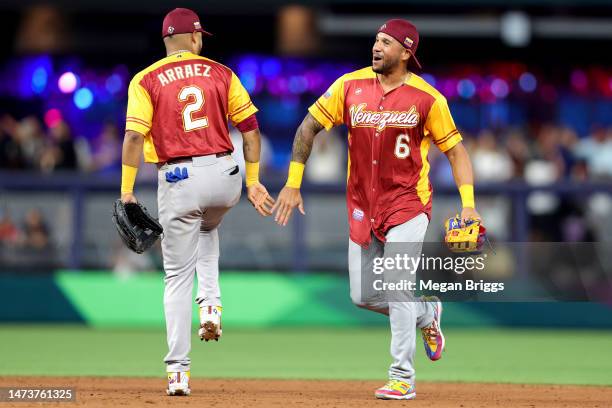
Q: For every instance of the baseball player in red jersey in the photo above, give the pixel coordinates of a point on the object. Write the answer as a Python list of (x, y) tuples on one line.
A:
[(178, 112), (393, 116)]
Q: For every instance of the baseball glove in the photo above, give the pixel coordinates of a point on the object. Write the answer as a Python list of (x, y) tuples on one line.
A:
[(468, 239), (136, 227)]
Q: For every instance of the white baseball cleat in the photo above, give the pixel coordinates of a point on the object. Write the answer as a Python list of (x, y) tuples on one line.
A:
[(178, 383), (210, 323)]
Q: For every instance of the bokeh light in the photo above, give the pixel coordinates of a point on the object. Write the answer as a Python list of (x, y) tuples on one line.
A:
[(579, 80), (528, 82), (113, 84), (52, 117), (83, 98), (248, 65), (271, 67), (67, 82), (430, 79), (297, 84), (39, 80), (499, 88), (448, 87), (249, 81), (466, 88)]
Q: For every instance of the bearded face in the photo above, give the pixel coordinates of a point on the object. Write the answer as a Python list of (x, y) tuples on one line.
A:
[(387, 54)]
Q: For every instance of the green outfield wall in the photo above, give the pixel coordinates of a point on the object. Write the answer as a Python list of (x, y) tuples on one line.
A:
[(251, 299)]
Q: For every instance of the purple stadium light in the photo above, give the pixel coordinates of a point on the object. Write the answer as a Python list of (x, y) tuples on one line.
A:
[(466, 88), (579, 80), (499, 88), (528, 82), (113, 83), (67, 82), (430, 79)]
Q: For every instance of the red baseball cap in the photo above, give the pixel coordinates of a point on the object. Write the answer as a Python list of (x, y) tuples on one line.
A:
[(406, 33), (182, 21)]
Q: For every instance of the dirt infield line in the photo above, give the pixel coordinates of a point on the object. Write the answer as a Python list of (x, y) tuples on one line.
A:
[(147, 392)]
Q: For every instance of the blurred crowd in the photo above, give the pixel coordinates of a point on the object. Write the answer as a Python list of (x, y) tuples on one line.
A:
[(27, 144), (545, 155), (538, 156), (549, 154), (31, 233)]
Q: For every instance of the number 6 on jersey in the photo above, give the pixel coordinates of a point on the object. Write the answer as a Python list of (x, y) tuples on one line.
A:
[(197, 96), (402, 149)]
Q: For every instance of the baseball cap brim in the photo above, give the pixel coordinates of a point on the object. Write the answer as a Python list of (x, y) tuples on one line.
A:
[(204, 32)]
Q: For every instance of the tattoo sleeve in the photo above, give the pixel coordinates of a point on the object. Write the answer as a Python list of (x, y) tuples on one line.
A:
[(304, 137)]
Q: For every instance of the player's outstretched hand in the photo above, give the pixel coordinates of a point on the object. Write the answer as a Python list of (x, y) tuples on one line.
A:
[(128, 198), (469, 213), (260, 198), (287, 200)]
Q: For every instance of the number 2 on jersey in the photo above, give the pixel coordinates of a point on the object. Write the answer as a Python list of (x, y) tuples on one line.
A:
[(402, 149), (195, 96)]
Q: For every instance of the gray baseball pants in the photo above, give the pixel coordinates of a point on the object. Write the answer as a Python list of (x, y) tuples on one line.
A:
[(190, 210), (406, 312)]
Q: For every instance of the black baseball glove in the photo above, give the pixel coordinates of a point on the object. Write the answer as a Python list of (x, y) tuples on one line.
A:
[(136, 227)]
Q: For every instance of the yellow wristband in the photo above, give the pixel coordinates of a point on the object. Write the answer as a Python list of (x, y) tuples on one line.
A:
[(467, 195), (296, 172), (252, 173), (128, 178)]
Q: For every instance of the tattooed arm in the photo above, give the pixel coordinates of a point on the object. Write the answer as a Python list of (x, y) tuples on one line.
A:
[(304, 137), (290, 196)]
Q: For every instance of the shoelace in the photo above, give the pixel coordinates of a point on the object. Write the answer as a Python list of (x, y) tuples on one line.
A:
[(431, 331)]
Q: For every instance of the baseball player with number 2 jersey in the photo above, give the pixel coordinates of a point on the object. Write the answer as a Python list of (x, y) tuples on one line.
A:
[(178, 112), (393, 117)]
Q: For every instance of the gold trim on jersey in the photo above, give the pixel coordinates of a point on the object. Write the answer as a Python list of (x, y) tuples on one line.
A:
[(422, 186), (348, 163)]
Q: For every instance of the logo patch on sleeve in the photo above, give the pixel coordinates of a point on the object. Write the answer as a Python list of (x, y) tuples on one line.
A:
[(358, 214)]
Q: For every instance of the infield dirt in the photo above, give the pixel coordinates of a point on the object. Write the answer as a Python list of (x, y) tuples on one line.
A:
[(147, 392)]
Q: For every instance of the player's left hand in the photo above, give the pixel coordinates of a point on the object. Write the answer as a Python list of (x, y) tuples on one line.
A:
[(469, 213), (128, 198), (260, 199), (288, 199)]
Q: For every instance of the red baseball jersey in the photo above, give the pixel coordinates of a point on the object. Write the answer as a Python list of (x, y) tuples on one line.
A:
[(182, 103), (389, 138)]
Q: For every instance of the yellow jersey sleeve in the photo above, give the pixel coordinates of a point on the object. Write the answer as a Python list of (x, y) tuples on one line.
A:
[(441, 126), (328, 110), (140, 109), (239, 105)]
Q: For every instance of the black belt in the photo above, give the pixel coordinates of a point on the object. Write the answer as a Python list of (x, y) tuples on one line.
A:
[(184, 159)]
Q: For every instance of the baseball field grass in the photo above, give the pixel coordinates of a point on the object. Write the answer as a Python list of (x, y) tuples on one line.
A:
[(472, 355)]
